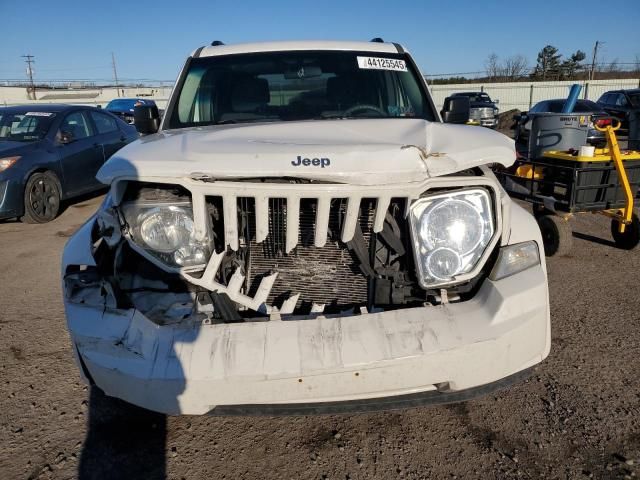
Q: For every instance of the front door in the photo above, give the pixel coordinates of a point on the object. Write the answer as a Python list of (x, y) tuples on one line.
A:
[(108, 133), (82, 156)]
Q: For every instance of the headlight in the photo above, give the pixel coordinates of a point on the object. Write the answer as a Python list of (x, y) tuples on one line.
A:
[(6, 162), (167, 233), (450, 233)]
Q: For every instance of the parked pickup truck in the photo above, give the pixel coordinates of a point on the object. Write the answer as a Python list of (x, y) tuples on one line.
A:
[(482, 110), (301, 233)]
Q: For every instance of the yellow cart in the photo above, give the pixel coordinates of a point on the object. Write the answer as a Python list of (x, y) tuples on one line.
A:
[(561, 184)]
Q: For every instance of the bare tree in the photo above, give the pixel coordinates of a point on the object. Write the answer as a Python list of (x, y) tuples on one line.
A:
[(492, 65), (514, 67), (613, 66)]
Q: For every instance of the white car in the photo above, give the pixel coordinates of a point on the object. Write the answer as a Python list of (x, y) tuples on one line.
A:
[(304, 235)]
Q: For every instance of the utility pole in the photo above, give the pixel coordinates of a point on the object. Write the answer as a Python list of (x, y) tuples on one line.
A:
[(593, 60), (115, 73), (32, 88)]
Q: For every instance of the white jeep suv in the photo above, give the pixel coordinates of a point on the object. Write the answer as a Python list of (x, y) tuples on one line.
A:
[(303, 234)]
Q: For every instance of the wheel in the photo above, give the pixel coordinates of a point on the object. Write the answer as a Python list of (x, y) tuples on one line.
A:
[(631, 236), (556, 235), (41, 198), (540, 211)]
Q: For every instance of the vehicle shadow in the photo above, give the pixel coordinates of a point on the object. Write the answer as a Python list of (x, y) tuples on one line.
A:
[(75, 202), (79, 202), (123, 441), (593, 239)]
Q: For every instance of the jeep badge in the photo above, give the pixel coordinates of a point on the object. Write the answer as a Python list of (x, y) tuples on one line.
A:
[(316, 162)]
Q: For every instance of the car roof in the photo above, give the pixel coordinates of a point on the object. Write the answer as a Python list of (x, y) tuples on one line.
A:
[(373, 47), (133, 99), (623, 90), (564, 100), (471, 93), (43, 107)]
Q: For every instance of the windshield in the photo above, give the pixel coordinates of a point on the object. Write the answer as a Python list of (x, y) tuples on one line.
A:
[(289, 86), (477, 97), (127, 104), (24, 126)]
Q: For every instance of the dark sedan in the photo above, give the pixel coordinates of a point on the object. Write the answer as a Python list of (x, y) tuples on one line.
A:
[(620, 104), (523, 121), (49, 153), (124, 107)]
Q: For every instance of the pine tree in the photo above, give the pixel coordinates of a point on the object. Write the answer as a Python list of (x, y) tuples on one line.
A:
[(548, 62), (571, 66)]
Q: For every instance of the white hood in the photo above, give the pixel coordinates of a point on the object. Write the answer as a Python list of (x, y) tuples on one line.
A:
[(359, 152)]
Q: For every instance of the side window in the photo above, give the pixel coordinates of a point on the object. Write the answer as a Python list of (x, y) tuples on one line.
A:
[(76, 124), (621, 101), (104, 123)]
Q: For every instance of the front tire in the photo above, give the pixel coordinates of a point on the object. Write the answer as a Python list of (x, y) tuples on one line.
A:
[(631, 236), (41, 198), (556, 235)]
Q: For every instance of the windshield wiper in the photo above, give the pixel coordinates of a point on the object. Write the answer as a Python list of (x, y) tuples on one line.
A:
[(337, 116), (231, 121)]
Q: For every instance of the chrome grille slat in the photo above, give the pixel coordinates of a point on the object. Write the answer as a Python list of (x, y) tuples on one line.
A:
[(323, 209), (262, 218), (230, 206), (351, 218), (293, 223), (382, 205)]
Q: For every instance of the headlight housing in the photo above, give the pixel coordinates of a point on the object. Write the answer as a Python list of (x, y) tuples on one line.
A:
[(6, 162), (450, 233), (166, 231)]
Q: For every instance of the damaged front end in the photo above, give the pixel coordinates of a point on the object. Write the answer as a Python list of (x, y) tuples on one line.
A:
[(205, 293), (238, 258)]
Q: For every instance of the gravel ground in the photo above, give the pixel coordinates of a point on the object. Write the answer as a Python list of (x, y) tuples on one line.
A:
[(577, 417)]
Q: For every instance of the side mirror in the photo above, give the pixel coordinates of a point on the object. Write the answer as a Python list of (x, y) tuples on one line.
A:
[(496, 101), (65, 137), (456, 110), (146, 119)]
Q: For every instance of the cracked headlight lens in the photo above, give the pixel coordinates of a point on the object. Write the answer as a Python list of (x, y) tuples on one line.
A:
[(167, 233), (165, 229), (450, 233)]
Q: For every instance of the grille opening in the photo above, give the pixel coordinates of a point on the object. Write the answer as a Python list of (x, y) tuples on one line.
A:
[(328, 275), (341, 276)]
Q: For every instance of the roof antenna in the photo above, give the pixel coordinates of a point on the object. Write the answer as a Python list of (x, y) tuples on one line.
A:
[(216, 43), (377, 40)]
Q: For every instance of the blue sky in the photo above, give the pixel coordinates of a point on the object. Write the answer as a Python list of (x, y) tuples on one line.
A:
[(151, 39)]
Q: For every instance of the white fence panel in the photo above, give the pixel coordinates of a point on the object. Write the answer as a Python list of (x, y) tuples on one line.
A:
[(522, 95)]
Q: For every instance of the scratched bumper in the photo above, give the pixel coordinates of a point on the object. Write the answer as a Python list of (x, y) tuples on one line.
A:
[(195, 369)]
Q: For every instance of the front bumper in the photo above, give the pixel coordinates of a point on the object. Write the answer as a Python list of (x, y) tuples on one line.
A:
[(236, 368), (11, 201), (489, 122)]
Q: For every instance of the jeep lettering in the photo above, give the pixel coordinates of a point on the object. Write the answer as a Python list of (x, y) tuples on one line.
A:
[(316, 162)]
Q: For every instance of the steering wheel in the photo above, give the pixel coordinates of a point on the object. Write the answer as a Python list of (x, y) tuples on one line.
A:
[(357, 108)]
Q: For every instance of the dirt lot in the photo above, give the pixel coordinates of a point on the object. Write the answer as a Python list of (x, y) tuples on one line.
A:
[(577, 417)]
